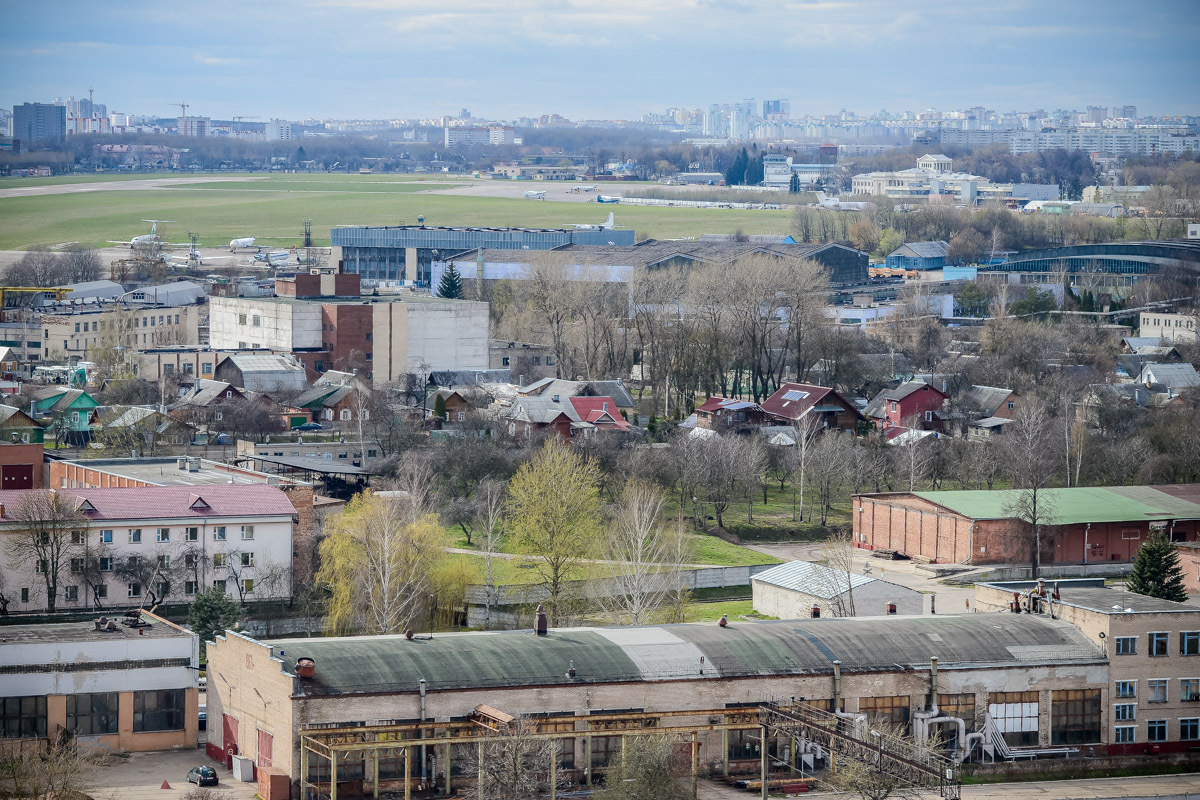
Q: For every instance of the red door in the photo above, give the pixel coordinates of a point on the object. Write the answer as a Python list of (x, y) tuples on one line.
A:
[(229, 738), (17, 476), (265, 742)]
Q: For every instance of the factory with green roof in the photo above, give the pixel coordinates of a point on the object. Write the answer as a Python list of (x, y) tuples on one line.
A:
[(1087, 525)]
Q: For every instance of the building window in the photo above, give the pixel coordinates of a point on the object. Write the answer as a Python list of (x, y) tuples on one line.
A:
[(1189, 729), (164, 534), (191, 534), (164, 561), (1158, 644), (1075, 716), (893, 710), (219, 533), (206, 367), (1156, 691), (1156, 730), (247, 532), (24, 717), (135, 590), (135, 536), (1125, 734), (78, 537), (1127, 645), (241, 319), (71, 593), (219, 585), (77, 565), (101, 591), (1189, 689), (606, 748), (158, 710), (247, 559), (1125, 712), (106, 537), (106, 563), (92, 714), (1016, 713), (247, 585), (504, 361), (24, 594), (1011, 405), (345, 414), (256, 321), (218, 560), (1189, 643), (1126, 689), (189, 587), (41, 566)]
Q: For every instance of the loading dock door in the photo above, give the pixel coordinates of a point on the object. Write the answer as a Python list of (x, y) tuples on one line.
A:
[(17, 476)]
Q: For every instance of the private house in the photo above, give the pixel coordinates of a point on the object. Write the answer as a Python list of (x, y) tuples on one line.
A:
[(1092, 525), (549, 387), (70, 412), (148, 425), (981, 430), (722, 414), (531, 415), (795, 401), (262, 373), (918, 255), (910, 401), (801, 589), (202, 404), (17, 426), (330, 404), (458, 405), (1169, 379), (989, 401), (599, 412), (145, 545)]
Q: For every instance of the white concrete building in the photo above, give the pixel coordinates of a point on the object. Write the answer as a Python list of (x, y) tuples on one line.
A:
[(263, 323), (933, 177), (1175, 328), (279, 130), (128, 686), (793, 590), (144, 545), (1104, 140)]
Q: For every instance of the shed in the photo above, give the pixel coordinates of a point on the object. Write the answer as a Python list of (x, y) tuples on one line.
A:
[(791, 590)]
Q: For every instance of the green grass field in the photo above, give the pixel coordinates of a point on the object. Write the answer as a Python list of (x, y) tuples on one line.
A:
[(272, 207)]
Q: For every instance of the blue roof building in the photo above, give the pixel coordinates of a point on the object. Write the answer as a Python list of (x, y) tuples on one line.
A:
[(918, 255)]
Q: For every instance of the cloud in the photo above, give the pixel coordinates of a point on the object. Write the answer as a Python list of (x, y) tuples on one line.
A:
[(214, 61)]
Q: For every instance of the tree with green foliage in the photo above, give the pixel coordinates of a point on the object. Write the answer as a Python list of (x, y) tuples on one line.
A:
[(736, 174), (973, 301), (794, 184), (1035, 302), (439, 406), (1156, 570), (451, 285), (213, 610), (555, 516)]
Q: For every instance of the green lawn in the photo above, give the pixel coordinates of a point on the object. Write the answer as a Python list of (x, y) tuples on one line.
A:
[(272, 208), (711, 612)]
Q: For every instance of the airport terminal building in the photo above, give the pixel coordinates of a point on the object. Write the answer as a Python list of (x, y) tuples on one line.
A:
[(407, 252)]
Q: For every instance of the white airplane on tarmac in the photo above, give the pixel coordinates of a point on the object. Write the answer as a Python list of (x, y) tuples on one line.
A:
[(532, 195), (603, 226), (234, 244), (151, 237)]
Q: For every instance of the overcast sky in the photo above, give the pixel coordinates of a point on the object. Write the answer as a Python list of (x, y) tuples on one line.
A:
[(614, 59)]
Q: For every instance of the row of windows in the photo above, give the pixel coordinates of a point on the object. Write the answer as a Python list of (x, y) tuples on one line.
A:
[(189, 534), (1156, 731), (255, 320), (138, 322), (189, 369), (1156, 690), (1158, 644), (93, 714), (162, 589)]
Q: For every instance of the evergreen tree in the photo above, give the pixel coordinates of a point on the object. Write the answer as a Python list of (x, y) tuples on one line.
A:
[(451, 285), (212, 610), (1156, 570), (794, 184), (736, 174), (439, 407)]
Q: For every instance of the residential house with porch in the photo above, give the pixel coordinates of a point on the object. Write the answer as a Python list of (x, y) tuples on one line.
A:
[(912, 401), (70, 413), (724, 415), (793, 402), (203, 404), (17, 426), (566, 416)]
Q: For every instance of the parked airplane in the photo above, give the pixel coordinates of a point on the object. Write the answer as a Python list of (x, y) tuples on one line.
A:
[(193, 258), (272, 259), (578, 189), (151, 237), (838, 205), (532, 195), (603, 226), (234, 244), (601, 198)]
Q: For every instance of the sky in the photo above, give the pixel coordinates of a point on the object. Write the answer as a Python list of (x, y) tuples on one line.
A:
[(599, 59)]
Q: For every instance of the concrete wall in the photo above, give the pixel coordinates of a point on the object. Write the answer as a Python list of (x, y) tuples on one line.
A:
[(282, 325), (416, 337), (127, 328)]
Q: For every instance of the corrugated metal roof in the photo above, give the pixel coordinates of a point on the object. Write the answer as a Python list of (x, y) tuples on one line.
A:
[(814, 579), (1077, 505)]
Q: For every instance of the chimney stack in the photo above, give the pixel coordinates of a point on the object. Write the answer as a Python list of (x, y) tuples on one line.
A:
[(541, 624)]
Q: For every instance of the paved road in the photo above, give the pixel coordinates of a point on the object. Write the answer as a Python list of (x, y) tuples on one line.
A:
[(113, 186), (950, 599), (140, 777)]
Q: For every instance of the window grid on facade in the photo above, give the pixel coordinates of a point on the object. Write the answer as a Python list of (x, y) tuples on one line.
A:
[(1125, 734), (1189, 689), (1156, 730), (23, 717), (1075, 716), (1125, 712), (1126, 689), (1158, 646), (158, 710), (1016, 714), (1126, 645), (92, 714), (1156, 691), (1189, 643), (1189, 729), (887, 709)]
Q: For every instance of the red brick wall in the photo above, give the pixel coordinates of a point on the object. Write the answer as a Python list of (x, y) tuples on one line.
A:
[(23, 455), (345, 330)]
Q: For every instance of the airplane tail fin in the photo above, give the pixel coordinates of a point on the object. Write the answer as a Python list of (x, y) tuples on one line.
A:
[(609, 224)]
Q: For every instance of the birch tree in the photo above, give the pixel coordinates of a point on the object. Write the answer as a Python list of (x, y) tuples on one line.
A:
[(648, 573), (51, 530)]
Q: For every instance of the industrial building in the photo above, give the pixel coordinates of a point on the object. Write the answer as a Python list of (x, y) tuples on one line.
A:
[(405, 253), (1123, 263), (348, 715), (124, 684), (801, 589), (617, 264), (1089, 525)]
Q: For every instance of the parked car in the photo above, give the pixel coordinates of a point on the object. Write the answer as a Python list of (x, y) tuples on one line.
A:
[(309, 426), (203, 718), (202, 776)]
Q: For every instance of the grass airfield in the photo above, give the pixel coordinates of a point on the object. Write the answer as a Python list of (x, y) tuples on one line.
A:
[(272, 207)]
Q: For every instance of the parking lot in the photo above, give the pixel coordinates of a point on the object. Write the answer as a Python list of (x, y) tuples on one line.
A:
[(141, 775)]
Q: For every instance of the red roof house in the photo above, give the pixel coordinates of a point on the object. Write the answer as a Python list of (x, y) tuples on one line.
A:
[(794, 401)]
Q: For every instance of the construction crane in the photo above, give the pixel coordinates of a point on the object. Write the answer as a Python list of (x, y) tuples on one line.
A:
[(6, 292), (182, 109)]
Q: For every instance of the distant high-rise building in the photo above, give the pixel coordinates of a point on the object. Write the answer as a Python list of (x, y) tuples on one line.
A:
[(34, 122), (739, 122), (776, 109), (1128, 112), (1096, 114), (279, 130), (192, 126), (716, 123)]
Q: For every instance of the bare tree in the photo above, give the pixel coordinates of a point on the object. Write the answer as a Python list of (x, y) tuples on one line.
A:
[(1031, 458), (647, 553), (828, 470), (51, 530), (837, 553), (514, 763), (796, 460), (58, 773), (490, 516)]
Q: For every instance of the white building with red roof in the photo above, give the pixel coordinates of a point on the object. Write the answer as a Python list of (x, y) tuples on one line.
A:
[(142, 546)]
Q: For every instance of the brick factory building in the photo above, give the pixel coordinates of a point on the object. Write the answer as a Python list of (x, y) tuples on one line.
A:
[(1091, 525)]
